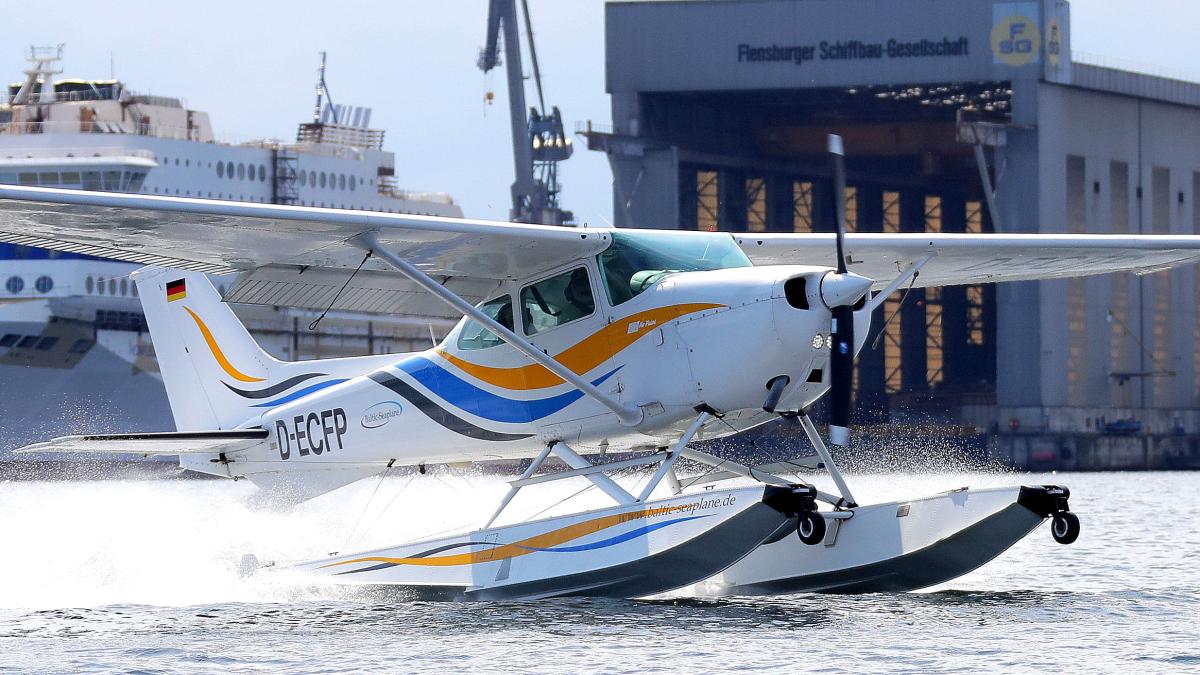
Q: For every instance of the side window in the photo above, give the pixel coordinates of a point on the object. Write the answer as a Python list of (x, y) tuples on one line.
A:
[(557, 300), (475, 336)]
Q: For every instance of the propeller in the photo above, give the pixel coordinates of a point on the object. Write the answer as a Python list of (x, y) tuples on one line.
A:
[(840, 291)]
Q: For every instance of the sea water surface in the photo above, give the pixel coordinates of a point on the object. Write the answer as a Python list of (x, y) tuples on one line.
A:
[(142, 576)]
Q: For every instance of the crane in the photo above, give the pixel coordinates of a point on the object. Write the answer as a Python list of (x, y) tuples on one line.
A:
[(539, 142)]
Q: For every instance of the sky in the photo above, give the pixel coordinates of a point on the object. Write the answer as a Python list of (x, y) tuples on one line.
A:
[(251, 65)]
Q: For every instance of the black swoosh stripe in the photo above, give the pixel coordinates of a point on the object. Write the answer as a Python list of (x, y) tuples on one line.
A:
[(422, 554), (438, 414), (275, 389)]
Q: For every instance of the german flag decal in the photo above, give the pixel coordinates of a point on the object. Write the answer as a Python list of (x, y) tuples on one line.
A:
[(176, 290)]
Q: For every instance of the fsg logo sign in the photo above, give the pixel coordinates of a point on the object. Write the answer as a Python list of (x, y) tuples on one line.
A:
[(1016, 40)]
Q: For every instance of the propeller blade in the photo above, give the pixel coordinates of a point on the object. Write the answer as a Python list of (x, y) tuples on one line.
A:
[(841, 357), (838, 158), (841, 374)]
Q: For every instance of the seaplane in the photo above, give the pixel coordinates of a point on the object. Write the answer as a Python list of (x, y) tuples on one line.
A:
[(640, 343)]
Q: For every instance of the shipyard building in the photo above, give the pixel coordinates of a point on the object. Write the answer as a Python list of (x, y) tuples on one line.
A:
[(958, 116)]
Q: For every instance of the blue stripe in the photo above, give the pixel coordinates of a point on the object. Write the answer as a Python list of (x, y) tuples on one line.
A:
[(483, 403), (612, 541), (299, 393)]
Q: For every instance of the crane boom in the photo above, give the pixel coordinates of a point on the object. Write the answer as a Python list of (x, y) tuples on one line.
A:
[(539, 141)]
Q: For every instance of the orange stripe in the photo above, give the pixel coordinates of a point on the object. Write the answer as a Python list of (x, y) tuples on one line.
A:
[(218, 354), (585, 354), (520, 548)]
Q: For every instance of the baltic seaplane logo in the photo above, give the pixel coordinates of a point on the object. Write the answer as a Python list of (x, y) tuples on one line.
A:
[(380, 414)]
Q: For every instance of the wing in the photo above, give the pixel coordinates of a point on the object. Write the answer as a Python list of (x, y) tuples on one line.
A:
[(293, 256), (978, 258)]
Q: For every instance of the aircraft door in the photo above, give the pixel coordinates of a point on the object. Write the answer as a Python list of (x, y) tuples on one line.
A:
[(562, 315)]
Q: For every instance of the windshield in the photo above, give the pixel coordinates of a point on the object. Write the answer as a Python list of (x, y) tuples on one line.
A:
[(636, 260)]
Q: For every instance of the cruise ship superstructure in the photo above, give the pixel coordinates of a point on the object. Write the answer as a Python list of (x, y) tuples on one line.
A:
[(71, 330)]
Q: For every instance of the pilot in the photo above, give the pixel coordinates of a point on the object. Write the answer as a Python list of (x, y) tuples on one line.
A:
[(579, 293)]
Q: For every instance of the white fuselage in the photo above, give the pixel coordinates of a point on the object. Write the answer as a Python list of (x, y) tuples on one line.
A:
[(710, 338)]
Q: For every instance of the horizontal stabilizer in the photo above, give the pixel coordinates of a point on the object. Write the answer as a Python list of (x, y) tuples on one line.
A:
[(167, 443)]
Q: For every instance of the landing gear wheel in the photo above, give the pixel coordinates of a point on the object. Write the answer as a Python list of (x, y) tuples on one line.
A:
[(1064, 527), (811, 528)]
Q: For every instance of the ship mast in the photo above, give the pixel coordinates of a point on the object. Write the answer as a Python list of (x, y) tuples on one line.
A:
[(44, 60)]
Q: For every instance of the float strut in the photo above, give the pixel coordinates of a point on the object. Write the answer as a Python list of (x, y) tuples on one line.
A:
[(668, 463), (512, 491), (823, 452)]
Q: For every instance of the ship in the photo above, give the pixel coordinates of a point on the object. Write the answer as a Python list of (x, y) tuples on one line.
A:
[(75, 353)]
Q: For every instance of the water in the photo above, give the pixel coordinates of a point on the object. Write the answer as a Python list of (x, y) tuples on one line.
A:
[(141, 575)]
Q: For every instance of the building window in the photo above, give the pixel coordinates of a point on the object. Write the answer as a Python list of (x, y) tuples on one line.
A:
[(707, 201), (851, 197), (1076, 205), (802, 206), (14, 284), (44, 284), (756, 205), (892, 353)]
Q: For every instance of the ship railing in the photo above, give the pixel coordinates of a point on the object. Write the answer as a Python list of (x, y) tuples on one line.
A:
[(128, 128), (58, 153)]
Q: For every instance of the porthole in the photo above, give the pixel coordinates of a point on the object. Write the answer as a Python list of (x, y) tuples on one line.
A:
[(220, 170), (229, 170), (352, 181), (176, 161), (44, 284), (133, 287), (342, 182), (14, 284), (322, 179), (303, 178), (112, 286), (90, 286), (262, 173), (241, 171), (312, 178), (187, 162), (124, 287), (100, 287)]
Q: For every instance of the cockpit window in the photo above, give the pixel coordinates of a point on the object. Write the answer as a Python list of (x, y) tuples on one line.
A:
[(475, 336), (636, 260), (560, 299)]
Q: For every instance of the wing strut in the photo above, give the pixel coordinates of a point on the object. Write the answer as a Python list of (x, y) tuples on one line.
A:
[(629, 416)]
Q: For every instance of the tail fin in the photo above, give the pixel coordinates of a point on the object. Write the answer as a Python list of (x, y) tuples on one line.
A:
[(215, 374)]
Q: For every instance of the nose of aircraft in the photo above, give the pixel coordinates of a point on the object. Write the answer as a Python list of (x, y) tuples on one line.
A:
[(841, 289)]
